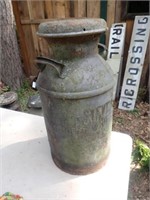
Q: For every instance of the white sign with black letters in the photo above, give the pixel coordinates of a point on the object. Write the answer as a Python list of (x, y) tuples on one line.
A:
[(135, 61), (115, 49)]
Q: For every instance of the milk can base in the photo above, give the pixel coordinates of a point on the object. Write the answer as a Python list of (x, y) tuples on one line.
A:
[(79, 170)]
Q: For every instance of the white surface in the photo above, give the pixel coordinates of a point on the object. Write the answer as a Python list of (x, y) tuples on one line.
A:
[(27, 168)]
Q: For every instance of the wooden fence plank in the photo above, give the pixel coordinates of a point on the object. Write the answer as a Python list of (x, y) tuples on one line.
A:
[(24, 51), (30, 48), (23, 10), (93, 8), (59, 8), (36, 9), (67, 9), (80, 9), (110, 17), (32, 9), (43, 47), (48, 7), (71, 8), (118, 11), (33, 21)]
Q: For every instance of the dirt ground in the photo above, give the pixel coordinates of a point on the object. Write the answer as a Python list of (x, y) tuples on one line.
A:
[(136, 124)]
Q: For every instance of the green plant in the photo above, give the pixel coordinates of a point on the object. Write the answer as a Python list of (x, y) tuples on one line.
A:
[(119, 120), (134, 112), (23, 95), (4, 89), (141, 154), (141, 94)]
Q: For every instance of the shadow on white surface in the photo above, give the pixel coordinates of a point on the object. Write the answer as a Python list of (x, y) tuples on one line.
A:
[(27, 167), (29, 163)]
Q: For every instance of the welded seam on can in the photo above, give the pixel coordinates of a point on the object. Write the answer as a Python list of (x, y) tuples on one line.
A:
[(77, 95), (59, 35)]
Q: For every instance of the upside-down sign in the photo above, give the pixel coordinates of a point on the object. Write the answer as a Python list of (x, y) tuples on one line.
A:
[(135, 62), (115, 51)]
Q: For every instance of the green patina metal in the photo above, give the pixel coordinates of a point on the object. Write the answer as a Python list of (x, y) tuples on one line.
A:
[(76, 86)]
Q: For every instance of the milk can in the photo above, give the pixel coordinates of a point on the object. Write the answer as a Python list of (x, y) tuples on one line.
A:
[(75, 86)]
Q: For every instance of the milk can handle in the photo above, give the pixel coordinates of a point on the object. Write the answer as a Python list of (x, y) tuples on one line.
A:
[(103, 46), (43, 61), (105, 50)]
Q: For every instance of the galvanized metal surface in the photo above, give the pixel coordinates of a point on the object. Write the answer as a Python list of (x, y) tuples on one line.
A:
[(71, 27), (77, 107)]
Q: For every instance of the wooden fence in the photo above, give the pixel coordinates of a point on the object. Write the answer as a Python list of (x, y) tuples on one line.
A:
[(29, 14)]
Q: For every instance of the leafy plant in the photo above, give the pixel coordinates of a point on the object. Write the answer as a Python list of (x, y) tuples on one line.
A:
[(118, 120), (4, 89), (141, 154), (24, 93), (141, 94), (134, 112)]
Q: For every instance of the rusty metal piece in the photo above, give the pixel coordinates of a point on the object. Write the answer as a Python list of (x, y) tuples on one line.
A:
[(77, 170)]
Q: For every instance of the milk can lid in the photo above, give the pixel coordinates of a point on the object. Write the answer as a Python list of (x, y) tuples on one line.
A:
[(72, 27)]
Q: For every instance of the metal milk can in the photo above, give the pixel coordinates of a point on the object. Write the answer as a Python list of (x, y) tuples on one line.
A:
[(75, 86)]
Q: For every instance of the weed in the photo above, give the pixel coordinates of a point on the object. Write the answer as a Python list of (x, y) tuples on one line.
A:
[(134, 112), (141, 154), (119, 120), (141, 94), (4, 89), (24, 93)]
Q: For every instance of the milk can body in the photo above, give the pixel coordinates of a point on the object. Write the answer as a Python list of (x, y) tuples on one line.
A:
[(75, 86)]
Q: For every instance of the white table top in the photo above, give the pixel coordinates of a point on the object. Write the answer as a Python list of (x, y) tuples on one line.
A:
[(27, 169)]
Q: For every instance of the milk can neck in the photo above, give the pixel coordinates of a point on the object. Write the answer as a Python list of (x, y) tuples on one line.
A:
[(71, 48)]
